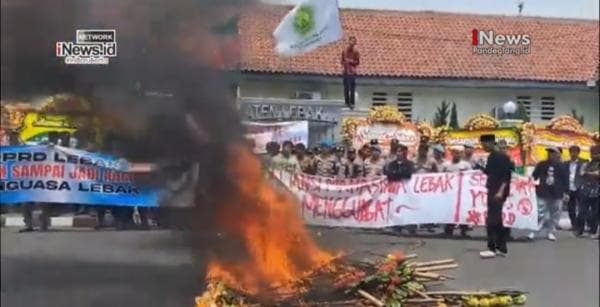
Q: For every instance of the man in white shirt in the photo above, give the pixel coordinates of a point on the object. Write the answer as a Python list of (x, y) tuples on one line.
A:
[(456, 165), (375, 164), (286, 160), (439, 156), (469, 155)]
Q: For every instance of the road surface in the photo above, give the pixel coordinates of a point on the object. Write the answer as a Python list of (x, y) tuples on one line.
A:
[(155, 268)]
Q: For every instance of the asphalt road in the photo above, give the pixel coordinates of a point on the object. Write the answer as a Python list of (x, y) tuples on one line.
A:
[(156, 268)]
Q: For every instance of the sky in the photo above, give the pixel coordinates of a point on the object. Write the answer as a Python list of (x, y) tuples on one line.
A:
[(580, 9)]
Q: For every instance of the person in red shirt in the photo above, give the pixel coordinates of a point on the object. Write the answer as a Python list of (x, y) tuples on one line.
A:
[(350, 61)]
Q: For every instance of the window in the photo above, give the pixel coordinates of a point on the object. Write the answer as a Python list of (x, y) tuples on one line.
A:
[(543, 110), (379, 99), (547, 108), (525, 101), (403, 101)]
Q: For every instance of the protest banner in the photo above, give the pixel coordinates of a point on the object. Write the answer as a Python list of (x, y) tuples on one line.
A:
[(445, 198), (407, 135), (544, 138), (53, 174), (471, 137), (263, 133)]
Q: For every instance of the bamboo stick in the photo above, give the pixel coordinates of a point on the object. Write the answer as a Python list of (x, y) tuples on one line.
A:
[(423, 300), (431, 282), (447, 276), (332, 303), (371, 298), (438, 268), (420, 293), (441, 293), (410, 256), (427, 275), (432, 263)]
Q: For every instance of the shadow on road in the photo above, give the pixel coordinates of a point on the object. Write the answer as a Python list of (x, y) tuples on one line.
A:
[(59, 283)]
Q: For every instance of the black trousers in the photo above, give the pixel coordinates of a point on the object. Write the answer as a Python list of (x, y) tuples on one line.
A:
[(123, 216), (449, 229), (588, 212), (497, 234), (27, 211), (572, 206), (144, 213), (349, 89)]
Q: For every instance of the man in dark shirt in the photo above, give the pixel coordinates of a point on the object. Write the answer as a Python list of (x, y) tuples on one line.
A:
[(498, 170), (552, 189), (400, 168), (350, 61), (575, 167)]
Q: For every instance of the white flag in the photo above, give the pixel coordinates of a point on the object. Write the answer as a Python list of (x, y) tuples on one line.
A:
[(310, 25)]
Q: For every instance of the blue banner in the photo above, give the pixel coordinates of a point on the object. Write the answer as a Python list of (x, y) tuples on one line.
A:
[(54, 174)]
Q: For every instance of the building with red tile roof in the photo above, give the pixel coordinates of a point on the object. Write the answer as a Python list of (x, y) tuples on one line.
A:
[(432, 45), (418, 59)]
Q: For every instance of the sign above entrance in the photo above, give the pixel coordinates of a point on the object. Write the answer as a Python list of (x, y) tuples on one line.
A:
[(285, 111)]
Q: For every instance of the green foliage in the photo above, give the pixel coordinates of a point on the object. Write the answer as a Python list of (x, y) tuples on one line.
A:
[(522, 113), (579, 118), (441, 115), (393, 282), (454, 117)]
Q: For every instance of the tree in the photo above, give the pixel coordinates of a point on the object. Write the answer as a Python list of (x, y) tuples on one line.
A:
[(454, 117), (522, 113), (579, 118), (441, 115)]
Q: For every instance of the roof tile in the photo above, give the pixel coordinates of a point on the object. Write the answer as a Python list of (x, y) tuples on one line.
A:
[(431, 45)]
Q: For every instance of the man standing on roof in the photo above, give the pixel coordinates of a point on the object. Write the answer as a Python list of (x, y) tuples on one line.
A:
[(350, 61)]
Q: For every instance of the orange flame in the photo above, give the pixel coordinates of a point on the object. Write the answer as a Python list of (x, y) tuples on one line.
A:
[(279, 247)]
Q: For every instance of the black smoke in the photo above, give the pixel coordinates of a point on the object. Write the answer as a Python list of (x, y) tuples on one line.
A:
[(164, 69), (163, 76)]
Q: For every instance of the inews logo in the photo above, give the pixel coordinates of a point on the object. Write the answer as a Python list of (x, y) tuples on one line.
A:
[(488, 42), (90, 47)]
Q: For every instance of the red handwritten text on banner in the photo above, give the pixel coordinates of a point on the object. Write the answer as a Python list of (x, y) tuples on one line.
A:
[(425, 198)]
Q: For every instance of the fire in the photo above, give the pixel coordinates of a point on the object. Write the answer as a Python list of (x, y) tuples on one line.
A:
[(279, 247)]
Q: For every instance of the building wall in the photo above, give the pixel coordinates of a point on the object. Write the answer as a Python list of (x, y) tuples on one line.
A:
[(470, 101)]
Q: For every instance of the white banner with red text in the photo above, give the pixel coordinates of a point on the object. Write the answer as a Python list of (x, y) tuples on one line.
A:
[(263, 133), (441, 198)]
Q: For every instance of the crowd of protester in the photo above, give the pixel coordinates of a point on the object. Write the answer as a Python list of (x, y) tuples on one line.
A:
[(124, 217), (574, 183)]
